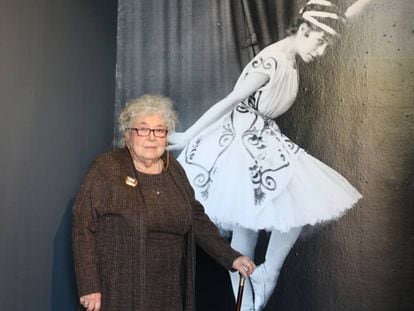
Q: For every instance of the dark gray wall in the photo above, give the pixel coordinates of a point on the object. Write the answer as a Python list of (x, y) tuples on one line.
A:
[(57, 71)]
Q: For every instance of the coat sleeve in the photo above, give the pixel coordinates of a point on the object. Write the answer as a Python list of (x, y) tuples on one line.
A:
[(206, 233), (210, 240), (84, 226)]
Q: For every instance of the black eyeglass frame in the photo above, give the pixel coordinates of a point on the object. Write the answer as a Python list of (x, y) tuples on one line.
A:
[(159, 133)]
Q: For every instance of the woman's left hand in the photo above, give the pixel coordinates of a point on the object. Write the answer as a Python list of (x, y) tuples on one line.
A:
[(91, 302), (244, 265)]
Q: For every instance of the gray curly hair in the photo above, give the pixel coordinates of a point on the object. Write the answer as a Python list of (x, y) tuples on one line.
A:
[(148, 104)]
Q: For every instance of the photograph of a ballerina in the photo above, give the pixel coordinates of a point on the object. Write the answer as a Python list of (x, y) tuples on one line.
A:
[(247, 174)]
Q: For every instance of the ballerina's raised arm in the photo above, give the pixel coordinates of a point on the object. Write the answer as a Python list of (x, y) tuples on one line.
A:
[(247, 86)]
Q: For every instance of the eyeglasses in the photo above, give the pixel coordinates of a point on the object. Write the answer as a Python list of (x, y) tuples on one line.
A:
[(145, 131)]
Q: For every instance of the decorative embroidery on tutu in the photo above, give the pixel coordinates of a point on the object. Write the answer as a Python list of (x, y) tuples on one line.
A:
[(258, 133), (203, 180)]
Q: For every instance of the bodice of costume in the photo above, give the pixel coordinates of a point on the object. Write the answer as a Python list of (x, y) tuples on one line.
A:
[(278, 94)]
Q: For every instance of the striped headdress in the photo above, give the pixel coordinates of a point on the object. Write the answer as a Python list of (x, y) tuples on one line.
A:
[(323, 14)]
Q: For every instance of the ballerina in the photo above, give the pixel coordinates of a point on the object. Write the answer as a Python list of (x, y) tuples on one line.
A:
[(251, 177)]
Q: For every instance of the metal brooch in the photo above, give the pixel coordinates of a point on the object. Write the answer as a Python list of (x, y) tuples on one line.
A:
[(130, 181)]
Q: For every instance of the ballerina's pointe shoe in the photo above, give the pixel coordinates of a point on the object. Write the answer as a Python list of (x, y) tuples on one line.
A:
[(263, 284)]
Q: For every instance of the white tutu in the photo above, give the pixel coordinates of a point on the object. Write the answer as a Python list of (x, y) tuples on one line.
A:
[(246, 173), (305, 191)]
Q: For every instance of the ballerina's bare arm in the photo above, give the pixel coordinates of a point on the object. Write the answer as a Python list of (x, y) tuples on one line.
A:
[(244, 88), (356, 8)]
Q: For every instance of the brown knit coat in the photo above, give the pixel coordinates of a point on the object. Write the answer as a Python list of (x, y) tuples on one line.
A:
[(109, 235)]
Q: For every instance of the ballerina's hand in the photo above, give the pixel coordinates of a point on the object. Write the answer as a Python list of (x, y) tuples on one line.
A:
[(177, 140)]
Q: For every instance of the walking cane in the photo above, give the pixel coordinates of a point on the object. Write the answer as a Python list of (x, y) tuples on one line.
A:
[(240, 292)]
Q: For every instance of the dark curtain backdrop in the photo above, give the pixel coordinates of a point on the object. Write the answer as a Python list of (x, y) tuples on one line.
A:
[(192, 50)]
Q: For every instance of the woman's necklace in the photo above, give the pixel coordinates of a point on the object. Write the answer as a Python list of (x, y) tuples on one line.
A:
[(153, 169)]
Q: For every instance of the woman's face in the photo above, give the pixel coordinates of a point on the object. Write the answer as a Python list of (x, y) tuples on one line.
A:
[(146, 149), (311, 44)]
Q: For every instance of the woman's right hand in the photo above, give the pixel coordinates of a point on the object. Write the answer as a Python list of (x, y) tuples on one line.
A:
[(178, 140), (244, 265), (91, 302)]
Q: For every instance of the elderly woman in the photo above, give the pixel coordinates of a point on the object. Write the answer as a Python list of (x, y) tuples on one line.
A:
[(136, 221)]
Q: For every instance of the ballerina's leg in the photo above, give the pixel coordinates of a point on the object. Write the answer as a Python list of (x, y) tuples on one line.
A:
[(244, 241), (265, 276)]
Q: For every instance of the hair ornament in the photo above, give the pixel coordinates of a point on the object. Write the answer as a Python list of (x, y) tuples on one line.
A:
[(314, 17), (310, 17), (320, 2)]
